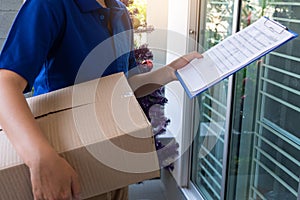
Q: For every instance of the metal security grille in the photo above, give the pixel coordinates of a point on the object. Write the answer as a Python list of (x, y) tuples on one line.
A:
[(276, 154), (211, 141)]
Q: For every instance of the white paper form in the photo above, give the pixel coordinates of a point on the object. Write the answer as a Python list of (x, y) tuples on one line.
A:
[(232, 54)]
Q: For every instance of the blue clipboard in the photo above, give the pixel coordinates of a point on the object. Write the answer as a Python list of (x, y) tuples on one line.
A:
[(268, 23)]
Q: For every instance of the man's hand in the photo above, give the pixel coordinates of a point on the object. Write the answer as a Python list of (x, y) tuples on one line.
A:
[(182, 61), (53, 178)]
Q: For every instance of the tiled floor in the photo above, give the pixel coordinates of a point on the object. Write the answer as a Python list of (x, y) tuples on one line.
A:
[(147, 190)]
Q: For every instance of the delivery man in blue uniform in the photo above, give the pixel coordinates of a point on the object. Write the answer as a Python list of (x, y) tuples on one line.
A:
[(45, 48)]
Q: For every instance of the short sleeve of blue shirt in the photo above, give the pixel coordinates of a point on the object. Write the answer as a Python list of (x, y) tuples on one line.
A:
[(25, 50), (50, 39)]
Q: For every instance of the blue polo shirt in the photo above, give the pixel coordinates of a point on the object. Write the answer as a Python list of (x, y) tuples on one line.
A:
[(50, 39)]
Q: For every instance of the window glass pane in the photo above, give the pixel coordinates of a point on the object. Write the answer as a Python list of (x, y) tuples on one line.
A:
[(265, 142)]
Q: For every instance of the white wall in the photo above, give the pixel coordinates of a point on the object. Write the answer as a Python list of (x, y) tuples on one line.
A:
[(177, 27), (157, 16), (177, 46), (170, 19)]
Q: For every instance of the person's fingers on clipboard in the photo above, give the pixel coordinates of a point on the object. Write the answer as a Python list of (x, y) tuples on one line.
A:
[(184, 60)]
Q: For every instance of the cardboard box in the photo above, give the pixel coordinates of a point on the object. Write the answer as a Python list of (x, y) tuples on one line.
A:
[(99, 127)]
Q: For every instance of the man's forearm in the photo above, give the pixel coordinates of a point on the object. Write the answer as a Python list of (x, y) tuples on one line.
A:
[(143, 84), (18, 122)]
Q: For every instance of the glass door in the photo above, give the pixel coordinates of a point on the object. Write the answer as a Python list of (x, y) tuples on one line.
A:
[(275, 163), (216, 23), (257, 156), (264, 159)]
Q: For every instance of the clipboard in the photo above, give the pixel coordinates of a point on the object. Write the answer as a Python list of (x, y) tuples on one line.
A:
[(232, 54)]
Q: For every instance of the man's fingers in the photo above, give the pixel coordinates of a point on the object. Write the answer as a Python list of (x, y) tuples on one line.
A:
[(75, 186), (184, 60)]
